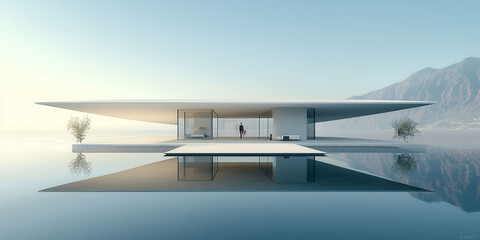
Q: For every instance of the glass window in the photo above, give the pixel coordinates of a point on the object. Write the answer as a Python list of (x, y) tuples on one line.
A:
[(230, 127), (180, 124), (215, 124), (197, 124)]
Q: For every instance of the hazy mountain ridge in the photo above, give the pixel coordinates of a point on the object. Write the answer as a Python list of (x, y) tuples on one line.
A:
[(455, 88)]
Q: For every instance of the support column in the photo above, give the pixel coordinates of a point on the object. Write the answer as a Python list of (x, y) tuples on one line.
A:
[(290, 121)]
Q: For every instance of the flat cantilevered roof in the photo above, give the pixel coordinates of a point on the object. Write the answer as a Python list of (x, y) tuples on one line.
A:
[(165, 111), (244, 149)]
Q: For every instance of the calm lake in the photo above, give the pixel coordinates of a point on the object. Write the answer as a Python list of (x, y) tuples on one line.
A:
[(34, 161)]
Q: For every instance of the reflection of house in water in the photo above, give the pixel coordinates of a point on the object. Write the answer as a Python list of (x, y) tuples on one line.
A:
[(264, 174), (452, 174), (279, 169), (293, 169)]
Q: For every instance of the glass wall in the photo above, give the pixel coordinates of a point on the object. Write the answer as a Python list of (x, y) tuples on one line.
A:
[(229, 127), (196, 124), (263, 122), (180, 124), (266, 124), (215, 124), (269, 123), (207, 124), (310, 123), (260, 126)]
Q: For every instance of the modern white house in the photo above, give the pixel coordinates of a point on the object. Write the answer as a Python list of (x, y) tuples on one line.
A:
[(210, 119), (283, 120)]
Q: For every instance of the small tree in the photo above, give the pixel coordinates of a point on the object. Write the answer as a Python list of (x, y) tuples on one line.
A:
[(405, 128), (79, 127)]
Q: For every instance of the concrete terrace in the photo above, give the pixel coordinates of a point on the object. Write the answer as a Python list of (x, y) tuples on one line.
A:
[(325, 144)]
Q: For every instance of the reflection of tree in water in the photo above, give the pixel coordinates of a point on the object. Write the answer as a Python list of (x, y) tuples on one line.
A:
[(453, 174), (404, 163), (79, 165)]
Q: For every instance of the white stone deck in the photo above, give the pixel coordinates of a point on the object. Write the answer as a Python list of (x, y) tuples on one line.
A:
[(324, 144), (243, 149)]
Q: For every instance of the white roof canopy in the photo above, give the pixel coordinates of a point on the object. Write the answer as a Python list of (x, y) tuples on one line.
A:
[(165, 111)]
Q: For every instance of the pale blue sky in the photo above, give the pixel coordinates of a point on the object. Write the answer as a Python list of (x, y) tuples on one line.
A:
[(74, 50)]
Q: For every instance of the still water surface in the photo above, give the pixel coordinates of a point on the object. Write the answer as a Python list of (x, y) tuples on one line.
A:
[(30, 162)]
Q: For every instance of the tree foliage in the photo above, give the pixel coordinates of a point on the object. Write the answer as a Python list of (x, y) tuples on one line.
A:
[(79, 127), (405, 128)]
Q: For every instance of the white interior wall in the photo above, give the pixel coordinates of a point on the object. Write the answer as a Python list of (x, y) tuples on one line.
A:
[(290, 121)]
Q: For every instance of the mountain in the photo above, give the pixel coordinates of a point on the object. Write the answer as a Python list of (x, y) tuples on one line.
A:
[(455, 88)]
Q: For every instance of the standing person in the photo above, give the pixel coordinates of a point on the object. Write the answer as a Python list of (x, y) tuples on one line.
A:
[(241, 130)]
